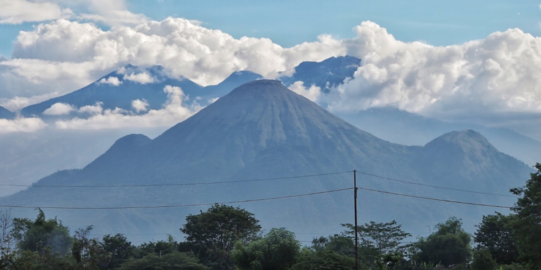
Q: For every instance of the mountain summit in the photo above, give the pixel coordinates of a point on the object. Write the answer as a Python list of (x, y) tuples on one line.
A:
[(263, 130)]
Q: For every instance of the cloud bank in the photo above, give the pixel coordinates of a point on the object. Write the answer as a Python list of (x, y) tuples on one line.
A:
[(499, 75), (19, 11), (21, 125), (492, 78), (174, 111)]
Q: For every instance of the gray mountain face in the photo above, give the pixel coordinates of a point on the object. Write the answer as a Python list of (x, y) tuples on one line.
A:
[(263, 130), (6, 114)]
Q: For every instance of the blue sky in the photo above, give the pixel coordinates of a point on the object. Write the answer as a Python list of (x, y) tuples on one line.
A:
[(290, 22)]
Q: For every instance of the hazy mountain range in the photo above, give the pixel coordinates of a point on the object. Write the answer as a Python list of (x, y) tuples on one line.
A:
[(263, 130), (6, 114)]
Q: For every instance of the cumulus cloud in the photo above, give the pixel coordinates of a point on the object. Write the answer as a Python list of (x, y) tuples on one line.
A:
[(59, 109), (500, 74), (139, 105), (142, 78), (111, 12), (82, 50), (110, 80), (174, 111), (21, 125), (496, 75), (19, 11), (311, 93), (92, 109), (17, 103)]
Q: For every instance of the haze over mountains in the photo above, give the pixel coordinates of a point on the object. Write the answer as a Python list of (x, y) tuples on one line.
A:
[(263, 130)]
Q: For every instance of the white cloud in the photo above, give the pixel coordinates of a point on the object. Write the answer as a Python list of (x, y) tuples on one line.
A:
[(21, 125), (139, 105), (59, 109), (19, 11), (174, 111), (500, 74), (81, 51), (112, 80), (311, 93), (17, 103), (92, 109), (496, 75), (142, 78)]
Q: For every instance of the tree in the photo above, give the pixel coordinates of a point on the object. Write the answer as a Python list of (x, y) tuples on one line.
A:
[(380, 243), (34, 235), (87, 252), (119, 249), (339, 243), (217, 230), (160, 248), (496, 235), (278, 250), (482, 260), (449, 244), (323, 260), (172, 261), (527, 224)]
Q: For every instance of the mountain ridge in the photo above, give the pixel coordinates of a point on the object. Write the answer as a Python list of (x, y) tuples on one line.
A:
[(263, 130)]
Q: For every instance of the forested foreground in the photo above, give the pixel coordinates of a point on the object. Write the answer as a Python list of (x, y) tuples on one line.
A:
[(226, 237)]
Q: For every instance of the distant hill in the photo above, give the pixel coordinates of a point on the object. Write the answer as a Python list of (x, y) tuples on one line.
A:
[(411, 129), (119, 88), (6, 114), (263, 130), (326, 74)]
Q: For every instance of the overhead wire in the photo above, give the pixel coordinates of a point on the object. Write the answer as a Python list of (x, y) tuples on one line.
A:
[(175, 206), (179, 184), (433, 199), (433, 186)]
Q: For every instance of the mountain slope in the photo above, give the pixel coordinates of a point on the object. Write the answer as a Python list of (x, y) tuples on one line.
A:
[(410, 129), (6, 114), (263, 130), (325, 74), (119, 88)]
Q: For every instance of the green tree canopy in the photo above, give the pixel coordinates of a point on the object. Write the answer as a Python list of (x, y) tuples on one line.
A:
[(448, 245), (217, 230), (380, 243), (35, 235), (119, 249), (482, 260), (496, 235), (527, 224), (323, 260), (278, 250), (172, 261)]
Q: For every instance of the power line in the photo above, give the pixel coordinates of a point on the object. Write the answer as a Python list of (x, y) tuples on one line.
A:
[(175, 206), (180, 184), (432, 186), (434, 199)]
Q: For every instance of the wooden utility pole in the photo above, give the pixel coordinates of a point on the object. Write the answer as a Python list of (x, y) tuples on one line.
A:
[(356, 236)]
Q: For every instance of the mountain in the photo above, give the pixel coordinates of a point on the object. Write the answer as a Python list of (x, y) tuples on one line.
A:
[(263, 130), (6, 114), (326, 74), (119, 88), (411, 129)]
